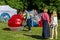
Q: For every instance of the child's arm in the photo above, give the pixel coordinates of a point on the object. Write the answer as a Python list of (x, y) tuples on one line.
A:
[(57, 22), (57, 25)]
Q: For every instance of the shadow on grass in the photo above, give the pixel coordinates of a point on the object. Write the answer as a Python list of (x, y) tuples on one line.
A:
[(25, 30), (35, 36), (7, 29)]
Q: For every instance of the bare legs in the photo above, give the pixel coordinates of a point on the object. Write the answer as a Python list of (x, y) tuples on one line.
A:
[(54, 31)]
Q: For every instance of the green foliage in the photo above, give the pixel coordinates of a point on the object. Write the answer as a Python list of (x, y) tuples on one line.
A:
[(17, 4), (2, 2)]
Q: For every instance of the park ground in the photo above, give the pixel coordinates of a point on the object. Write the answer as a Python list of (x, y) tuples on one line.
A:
[(35, 33)]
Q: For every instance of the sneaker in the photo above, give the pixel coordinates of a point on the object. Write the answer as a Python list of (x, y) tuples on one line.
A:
[(51, 38)]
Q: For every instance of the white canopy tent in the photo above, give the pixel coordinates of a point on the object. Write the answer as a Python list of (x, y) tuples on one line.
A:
[(7, 9)]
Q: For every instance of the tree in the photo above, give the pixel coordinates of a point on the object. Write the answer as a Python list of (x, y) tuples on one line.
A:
[(2, 2), (17, 4)]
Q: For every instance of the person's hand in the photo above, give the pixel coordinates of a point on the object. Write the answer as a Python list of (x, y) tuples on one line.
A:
[(26, 19), (49, 23)]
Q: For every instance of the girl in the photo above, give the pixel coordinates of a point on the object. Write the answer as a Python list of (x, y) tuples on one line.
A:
[(54, 24)]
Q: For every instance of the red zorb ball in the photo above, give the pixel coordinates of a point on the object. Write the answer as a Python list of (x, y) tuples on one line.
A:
[(15, 21)]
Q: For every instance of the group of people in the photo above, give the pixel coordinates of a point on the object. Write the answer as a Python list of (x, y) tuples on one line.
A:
[(47, 21)]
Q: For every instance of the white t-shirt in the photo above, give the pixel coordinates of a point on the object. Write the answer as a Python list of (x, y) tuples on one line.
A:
[(28, 15), (54, 20)]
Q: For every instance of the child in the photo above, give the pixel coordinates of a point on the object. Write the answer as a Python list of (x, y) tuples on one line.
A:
[(54, 24)]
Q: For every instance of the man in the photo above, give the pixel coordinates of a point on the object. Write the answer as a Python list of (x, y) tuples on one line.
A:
[(28, 20)]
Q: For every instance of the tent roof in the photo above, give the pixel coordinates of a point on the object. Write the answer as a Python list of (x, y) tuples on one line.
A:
[(7, 8)]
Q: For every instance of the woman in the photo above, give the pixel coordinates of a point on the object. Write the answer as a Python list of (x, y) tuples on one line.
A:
[(46, 22)]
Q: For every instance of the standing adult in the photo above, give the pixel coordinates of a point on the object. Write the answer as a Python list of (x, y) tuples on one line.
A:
[(28, 20), (46, 22)]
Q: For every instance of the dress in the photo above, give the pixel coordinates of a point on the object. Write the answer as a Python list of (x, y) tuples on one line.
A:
[(54, 22), (46, 29)]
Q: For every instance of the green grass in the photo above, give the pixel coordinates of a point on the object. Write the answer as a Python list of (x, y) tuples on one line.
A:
[(22, 35)]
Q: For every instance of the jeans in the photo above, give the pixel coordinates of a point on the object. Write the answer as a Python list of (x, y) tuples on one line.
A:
[(29, 24)]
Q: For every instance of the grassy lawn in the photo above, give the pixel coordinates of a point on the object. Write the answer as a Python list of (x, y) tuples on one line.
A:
[(22, 35)]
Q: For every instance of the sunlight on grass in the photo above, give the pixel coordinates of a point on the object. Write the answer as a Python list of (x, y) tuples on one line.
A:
[(22, 35)]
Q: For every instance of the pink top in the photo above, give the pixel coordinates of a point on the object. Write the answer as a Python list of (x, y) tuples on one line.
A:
[(45, 16)]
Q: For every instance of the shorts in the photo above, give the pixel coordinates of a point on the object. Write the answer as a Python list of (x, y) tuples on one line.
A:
[(53, 26)]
